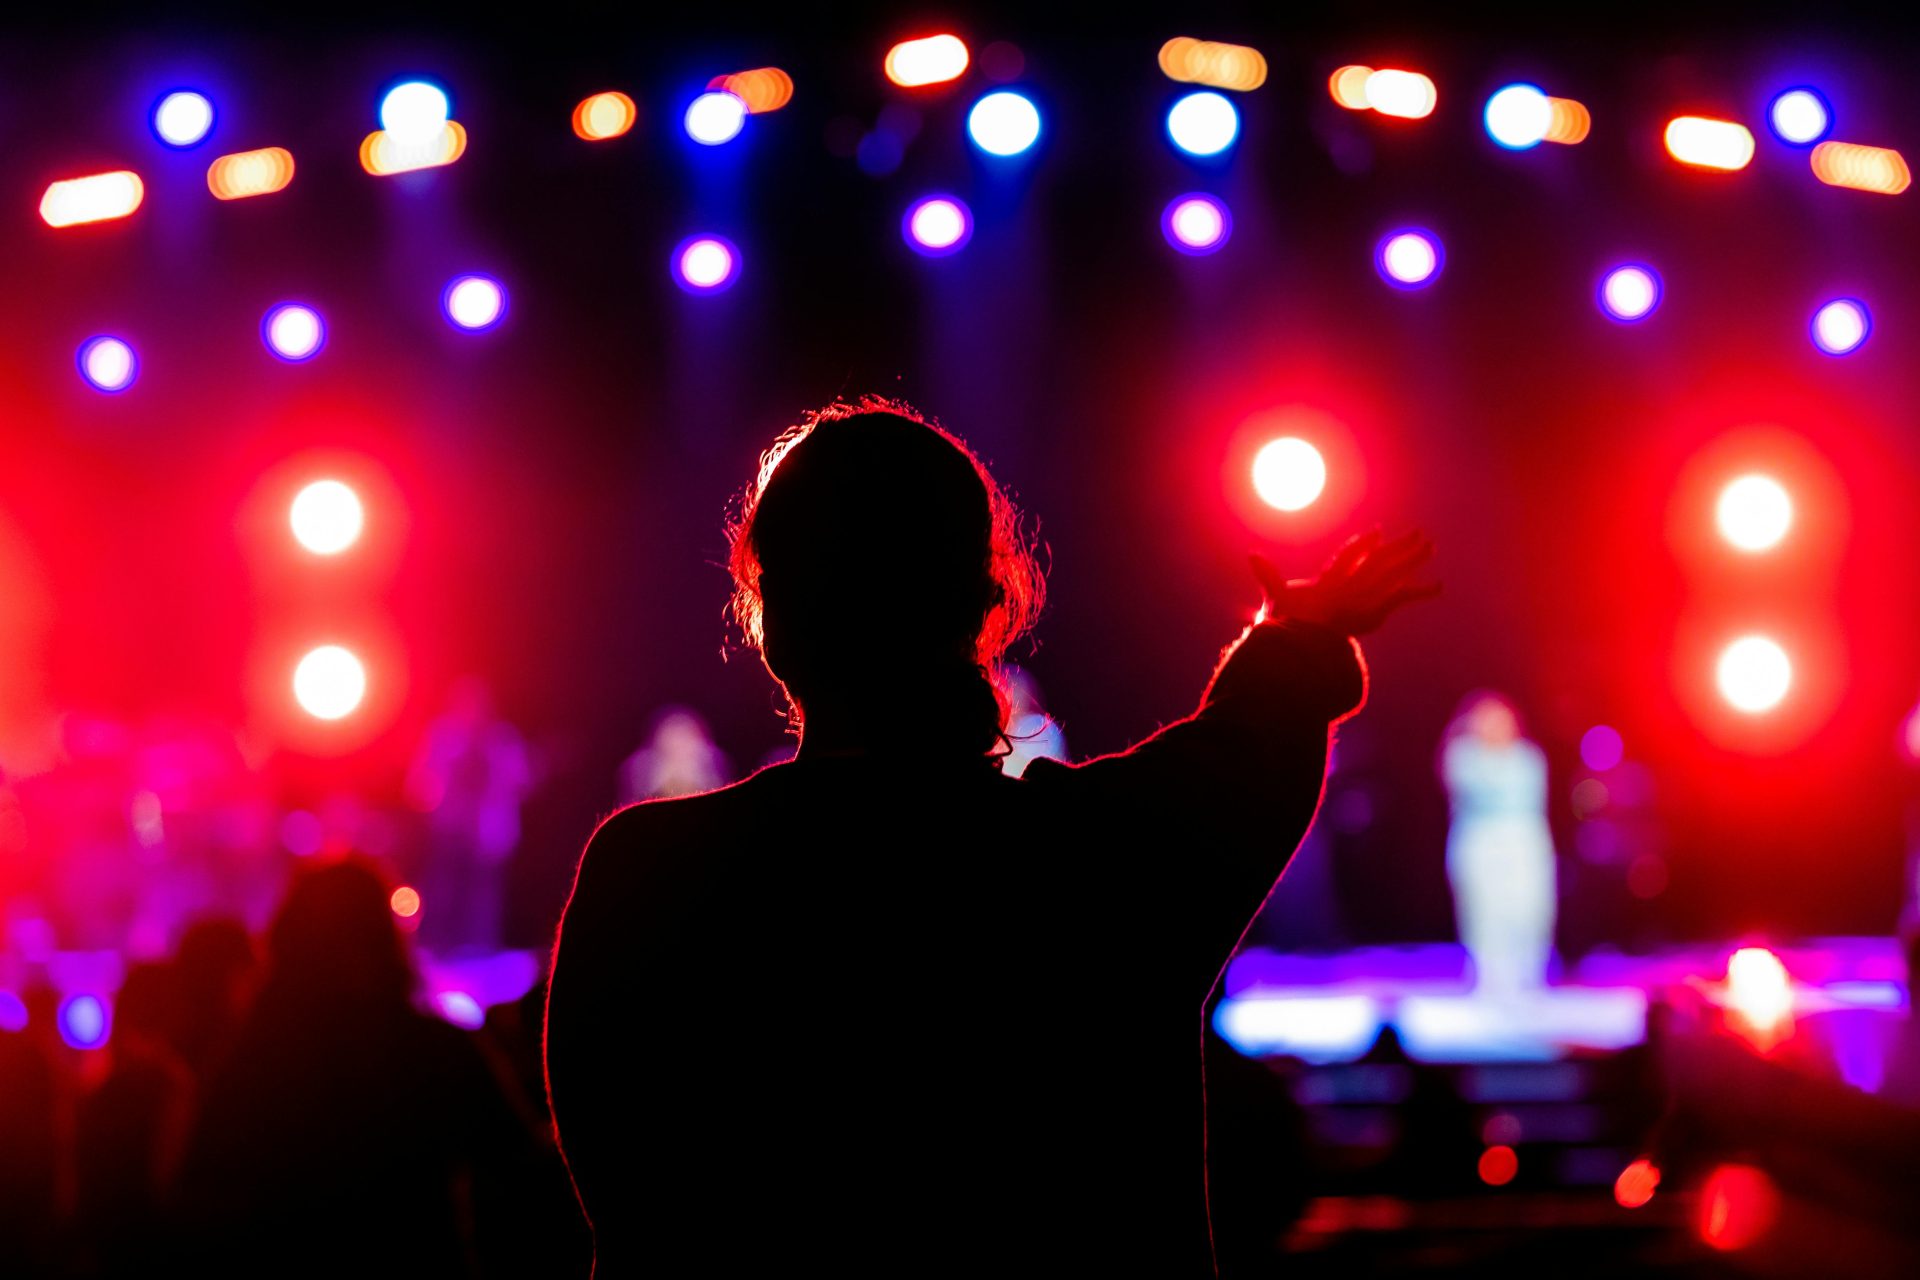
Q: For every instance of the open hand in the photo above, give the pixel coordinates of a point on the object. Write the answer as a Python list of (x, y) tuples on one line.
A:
[(1366, 580)]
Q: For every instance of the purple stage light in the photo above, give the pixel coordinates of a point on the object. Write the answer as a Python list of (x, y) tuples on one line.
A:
[(1601, 748), (936, 226), (1630, 292), (474, 302), (706, 264), (107, 363), (1197, 224), (83, 1022), (1841, 326), (1410, 258), (294, 332)]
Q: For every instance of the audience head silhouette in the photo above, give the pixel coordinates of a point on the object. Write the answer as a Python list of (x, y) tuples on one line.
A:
[(882, 573), (335, 941)]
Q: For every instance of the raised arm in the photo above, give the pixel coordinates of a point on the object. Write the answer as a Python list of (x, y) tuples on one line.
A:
[(1229, 791)]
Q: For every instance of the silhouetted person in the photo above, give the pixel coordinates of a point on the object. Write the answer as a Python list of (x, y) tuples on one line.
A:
[(215, 972), (29, 1155), (862, 1013), (347, 1133)]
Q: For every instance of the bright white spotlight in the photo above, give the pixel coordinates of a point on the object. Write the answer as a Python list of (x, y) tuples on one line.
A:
[(294, 332), (1203, 124), (715, 117), (1519, 116), (1800, 117), (1409, 259), (329, 682), (326, 517), (1840, 326), (183, 118), (705, 264), (1754, 674), (1754, 512), (936, 226), (1004, 123), (108, 364), (474, 302), (1288, 473), (1630, 293), (414, 112)]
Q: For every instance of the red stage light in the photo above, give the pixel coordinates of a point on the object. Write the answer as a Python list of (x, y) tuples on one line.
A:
[(1498, 1165), (931, 60), (1709, 144), (604, 115), (1738, 1206), (99, 197), (405, 901), (1636, 1184)]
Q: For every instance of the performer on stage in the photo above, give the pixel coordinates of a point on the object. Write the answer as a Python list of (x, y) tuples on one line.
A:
[(1499, 850)]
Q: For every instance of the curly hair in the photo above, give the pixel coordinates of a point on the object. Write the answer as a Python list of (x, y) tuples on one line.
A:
[(873, 541)]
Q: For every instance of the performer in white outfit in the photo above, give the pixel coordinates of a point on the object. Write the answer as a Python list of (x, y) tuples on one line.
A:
[(1499, 850)]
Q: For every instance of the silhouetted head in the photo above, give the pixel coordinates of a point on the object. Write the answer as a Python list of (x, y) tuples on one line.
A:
[(216, 969), (1490, 717), (335, 941), (880, 571)]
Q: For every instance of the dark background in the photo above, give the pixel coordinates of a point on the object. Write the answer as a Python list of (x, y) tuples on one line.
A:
[(550, 497)]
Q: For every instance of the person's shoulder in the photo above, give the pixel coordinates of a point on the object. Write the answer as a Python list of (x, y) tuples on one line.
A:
[(649, 828)]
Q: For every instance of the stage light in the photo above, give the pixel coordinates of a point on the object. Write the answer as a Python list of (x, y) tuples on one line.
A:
[(1409, 259), (1738, 1205), (1799, 117), (414, 112), (329, 682), (98, 197), (1570, 122), (1197, 224), (1754, 674), (183, 118), (474, 302), (1754, 512), (83, 1022), (936, 226), (405, 902), (1518, 117), (763, 89), (1881, 170), (715, 117), (1709, 144), (1004, 123), (1629, 293), (1406, 94), (1759, 991), (1203, 124), (929, 60), (1601, 748), (461, 1009), (1348, 86), (604, 115), (1498, 1165), (250, 173), (1636, 1184), (13, 1013), (706, 264), (1289, 473), (1211, 62), (1840, 326), (108, 364), (293, 331), (326, 517), (383, 152)]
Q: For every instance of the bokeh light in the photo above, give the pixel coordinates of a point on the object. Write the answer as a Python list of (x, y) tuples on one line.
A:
[(1498, 1166), (414, 111), (293, 331), (928, 60), (329, 682), (405, 902), (1636, 1184), (383, 153), (1348, 85), (604, 115), (183, 118), (1518, 117), (1213, 62), (706, 264), (1800, 117), (474, 302), (1630, 293), (1759, 992), (1601, 748), (83, 1021), (1289, 474), (13, 1013), (1409, 259), (1406, 94), (1709, 144), (326, 517), (1754, 674), (1203, 124), (936, 226), (250, 173), (1881, 170), (461, 1009), (1754, 512), (108, 363), (1197, 223), (1841, 326), (763, 89), (98, 197), (715, 117), (1569, 122), (1004, 123), (1737, 1206)]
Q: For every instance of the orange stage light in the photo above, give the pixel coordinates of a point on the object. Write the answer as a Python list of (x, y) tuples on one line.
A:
[(1406, 94), (250, 173), (604, 115), (1862, 168), (1213, 62), (763, 89), (1348, 86), (382, 154), (1570, 122)]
